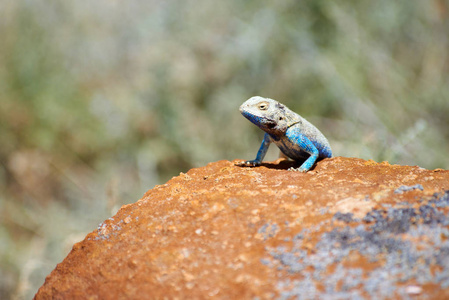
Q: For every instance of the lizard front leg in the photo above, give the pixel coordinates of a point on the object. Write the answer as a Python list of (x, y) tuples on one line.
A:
[(307, 146), (261, 153)]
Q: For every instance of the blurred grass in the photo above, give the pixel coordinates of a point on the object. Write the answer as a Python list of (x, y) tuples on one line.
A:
[(102, 100)]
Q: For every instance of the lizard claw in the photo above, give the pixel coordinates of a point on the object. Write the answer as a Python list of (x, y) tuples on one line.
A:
[(302, 170), (248, 163)]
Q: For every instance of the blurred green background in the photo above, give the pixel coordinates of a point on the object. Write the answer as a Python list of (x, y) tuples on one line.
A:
[(102, 100)]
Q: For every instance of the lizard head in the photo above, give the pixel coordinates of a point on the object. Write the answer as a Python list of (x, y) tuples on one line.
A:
[(268, 114)]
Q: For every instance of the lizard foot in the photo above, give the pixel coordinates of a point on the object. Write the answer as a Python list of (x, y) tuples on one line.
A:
[(302, 170), (248, 163)]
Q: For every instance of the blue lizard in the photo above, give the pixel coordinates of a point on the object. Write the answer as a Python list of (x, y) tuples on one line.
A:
[(297, 138)]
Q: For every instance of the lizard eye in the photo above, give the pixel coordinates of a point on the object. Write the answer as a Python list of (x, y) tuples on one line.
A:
[(263, 106)]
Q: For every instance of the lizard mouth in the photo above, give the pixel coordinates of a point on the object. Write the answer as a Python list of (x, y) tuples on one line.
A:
[(260, 121)]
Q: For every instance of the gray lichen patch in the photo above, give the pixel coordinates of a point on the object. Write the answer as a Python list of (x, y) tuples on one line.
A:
[(406, 245)]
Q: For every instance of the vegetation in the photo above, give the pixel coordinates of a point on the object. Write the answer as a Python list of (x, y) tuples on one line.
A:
[(101, 100)]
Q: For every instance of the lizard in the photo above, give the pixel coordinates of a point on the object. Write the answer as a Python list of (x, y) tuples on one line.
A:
[(297, 138)]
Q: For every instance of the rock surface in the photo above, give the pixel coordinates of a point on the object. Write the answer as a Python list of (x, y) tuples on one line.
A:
[(350, 228)]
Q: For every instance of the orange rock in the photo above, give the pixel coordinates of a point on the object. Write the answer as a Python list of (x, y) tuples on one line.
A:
[(225, 231)]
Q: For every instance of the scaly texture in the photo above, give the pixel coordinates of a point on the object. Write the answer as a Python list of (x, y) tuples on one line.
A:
[(297, 138)]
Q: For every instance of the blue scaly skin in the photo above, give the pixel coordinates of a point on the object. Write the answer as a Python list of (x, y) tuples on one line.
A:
[(297, 138)]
